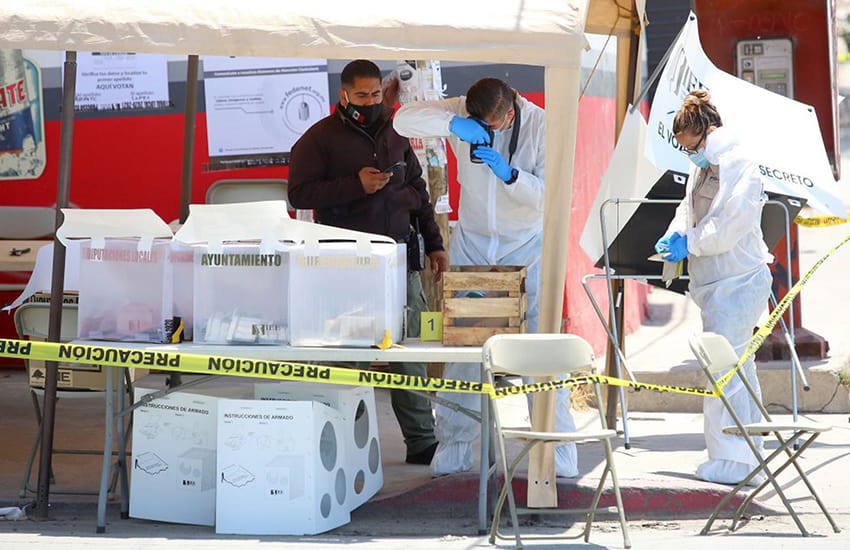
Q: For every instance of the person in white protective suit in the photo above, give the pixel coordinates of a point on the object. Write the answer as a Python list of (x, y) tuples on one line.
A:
[(500, 222), (717, 227)]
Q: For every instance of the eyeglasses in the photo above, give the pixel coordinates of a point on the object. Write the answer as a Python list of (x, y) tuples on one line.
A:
[(693, 151), (503, 124)]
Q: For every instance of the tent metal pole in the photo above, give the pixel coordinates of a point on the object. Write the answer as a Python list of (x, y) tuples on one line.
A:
[(188, 155), (189, 136), (656, 73), (57, 287)]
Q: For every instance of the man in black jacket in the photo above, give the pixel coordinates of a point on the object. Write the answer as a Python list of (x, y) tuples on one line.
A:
[(340, 168)]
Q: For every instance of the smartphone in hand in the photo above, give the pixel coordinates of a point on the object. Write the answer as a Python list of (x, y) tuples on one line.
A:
[(394, 167)]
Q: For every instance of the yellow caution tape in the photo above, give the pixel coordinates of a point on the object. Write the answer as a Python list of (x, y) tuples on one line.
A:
[(762, 333), (819, 221), (191, 363), (503, 391)]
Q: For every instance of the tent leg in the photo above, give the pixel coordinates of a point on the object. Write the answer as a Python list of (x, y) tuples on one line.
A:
[(57, 289)]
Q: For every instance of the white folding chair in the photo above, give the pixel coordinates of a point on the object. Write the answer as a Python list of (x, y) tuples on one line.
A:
[(546, 355), (27, 222), (31, 321), (247, 190), (716, 356)]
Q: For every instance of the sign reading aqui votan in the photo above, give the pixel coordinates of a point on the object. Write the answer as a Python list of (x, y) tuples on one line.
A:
[(121, 81)]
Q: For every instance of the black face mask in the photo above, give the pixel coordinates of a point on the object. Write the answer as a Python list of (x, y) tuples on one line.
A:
[(365, 115)]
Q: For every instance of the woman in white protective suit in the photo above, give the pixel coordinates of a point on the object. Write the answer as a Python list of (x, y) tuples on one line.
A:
[(500, 222), (717, 227)]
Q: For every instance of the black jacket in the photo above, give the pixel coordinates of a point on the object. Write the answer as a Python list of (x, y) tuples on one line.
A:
[(323, 176)]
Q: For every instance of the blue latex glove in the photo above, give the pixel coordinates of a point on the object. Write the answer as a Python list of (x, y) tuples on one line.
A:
[(495, 161), (469, 130), (662, 245), (678, 249)]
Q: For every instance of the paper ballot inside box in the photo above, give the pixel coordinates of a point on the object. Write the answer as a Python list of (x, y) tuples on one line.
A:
[(632, 245)]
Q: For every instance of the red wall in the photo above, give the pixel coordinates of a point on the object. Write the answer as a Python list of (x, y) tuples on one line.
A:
[(594, 146), (722, 23), (127, 162)]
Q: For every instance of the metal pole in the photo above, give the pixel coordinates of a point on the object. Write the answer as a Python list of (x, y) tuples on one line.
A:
[(109, 417), (188, 154), (615, 319), (57, 289), (189, 136), (656, 73)]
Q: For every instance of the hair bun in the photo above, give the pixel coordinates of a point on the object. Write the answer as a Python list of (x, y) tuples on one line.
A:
[(698, 97)]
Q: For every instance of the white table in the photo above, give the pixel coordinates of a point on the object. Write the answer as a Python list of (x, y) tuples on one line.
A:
[(411, 351)]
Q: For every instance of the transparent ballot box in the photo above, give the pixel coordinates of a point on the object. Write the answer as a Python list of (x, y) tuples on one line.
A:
[(126, 291), (344, 295), (241, 294)]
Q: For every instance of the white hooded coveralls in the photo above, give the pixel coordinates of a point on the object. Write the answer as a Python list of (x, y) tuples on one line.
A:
[(729, 281), (498, 224)]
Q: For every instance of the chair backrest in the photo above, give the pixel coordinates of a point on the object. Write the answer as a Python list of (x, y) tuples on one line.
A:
[(713, 351), (33, 319), (537, 354), (27, 222), (247, 190)]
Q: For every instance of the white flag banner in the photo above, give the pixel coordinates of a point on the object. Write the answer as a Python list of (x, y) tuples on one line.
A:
[(782, 134)]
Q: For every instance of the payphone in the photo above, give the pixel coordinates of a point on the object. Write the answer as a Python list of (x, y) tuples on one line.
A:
[(768, 64)]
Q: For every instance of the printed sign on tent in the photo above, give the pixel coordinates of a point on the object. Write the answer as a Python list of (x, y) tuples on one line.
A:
[(258, 107), (782, 134), (121, 81)]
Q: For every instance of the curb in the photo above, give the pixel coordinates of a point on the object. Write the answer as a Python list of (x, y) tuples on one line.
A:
[(654, 498)]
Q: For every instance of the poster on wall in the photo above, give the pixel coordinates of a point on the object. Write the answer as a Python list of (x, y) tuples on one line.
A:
[(121, 81), (257, 108), (22, 147)]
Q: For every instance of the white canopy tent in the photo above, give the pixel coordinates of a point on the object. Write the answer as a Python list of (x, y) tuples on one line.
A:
[(537, 32), (549, 33)]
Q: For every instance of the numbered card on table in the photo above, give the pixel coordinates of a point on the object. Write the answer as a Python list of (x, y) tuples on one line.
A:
[(431, 326)]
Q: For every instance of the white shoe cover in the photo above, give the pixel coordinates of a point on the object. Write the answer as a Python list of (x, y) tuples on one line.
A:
[(728, 472), (452, 458)]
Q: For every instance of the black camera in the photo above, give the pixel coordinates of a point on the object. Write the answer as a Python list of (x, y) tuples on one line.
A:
[(474, 146)]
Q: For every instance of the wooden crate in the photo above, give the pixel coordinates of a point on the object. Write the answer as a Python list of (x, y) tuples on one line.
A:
[(469, 321)]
